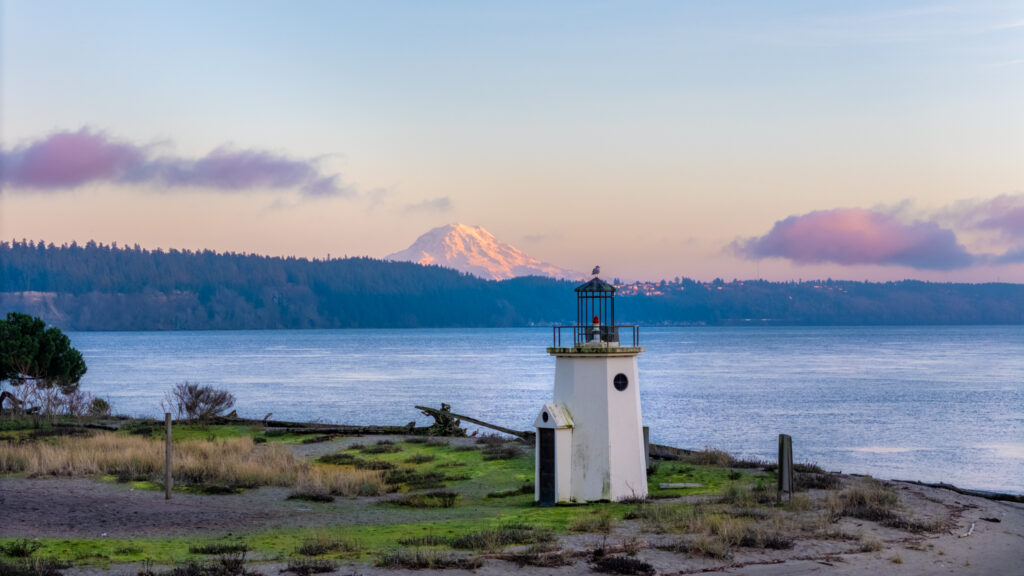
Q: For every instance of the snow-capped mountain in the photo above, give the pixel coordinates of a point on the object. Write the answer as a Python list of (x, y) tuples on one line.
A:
[(476, 251)]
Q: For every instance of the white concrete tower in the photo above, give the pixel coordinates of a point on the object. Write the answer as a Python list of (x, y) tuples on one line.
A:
[(590, 443)]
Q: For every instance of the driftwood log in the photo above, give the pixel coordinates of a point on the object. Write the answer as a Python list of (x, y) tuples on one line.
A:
[(16, 405), (521, 434), (999, 496), (5, 395)]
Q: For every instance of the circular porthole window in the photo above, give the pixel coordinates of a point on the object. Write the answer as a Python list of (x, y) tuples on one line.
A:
[(620, 382), (544, 416)]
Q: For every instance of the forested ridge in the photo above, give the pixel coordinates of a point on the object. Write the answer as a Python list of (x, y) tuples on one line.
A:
[(106, 287)]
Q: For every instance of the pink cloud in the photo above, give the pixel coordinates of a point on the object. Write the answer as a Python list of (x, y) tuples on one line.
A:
[(854, 236), (67, 160), (70, 159)]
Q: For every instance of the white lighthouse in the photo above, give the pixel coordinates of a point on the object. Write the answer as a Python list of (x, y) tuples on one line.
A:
[(590, 443)]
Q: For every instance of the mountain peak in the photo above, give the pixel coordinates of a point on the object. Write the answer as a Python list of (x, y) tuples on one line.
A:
[(474, 250)]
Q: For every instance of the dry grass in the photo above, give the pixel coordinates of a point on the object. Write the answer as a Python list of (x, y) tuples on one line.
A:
[(664, 518), (233, 462), (746, 496), (711, 457), (869, 499), (342, 482)]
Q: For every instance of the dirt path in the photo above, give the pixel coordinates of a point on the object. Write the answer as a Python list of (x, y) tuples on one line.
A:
[(85, 508)]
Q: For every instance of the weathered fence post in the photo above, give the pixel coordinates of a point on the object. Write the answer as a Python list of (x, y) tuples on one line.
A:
[(647, 447), (169, 478), (785, 466)]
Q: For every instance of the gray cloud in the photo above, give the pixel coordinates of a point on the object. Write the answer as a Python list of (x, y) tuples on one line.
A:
[(440, 204)]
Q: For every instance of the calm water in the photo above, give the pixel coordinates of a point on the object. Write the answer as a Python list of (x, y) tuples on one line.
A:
[(924, 403)]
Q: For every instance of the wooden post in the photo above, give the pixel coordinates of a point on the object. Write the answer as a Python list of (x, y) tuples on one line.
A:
[(785, 466), (647, 447), (168, 479)]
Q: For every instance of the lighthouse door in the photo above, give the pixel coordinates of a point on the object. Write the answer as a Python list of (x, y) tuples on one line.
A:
[(546, 467)]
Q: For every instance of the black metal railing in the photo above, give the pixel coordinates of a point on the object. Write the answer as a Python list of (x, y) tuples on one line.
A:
[(623, 335)]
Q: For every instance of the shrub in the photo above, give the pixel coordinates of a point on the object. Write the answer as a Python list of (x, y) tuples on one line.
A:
[(311, 495), (702, 546), (197, 402), (504, 535), (22, 548), (543, 555), (622, 565), (218, 548), (871, 545), (226, 565), (772, 540), (454, 464), (32, 567), (427, 540), (415, 480), (382, 447), (98, 408), (502, 451), (325, 545), (712, 457), (424, 559), (869, 500), (751, 463), (808, 468), (340, 458), (420, 459), (815, 481), (306, 566), (361, 464), (438, 499)]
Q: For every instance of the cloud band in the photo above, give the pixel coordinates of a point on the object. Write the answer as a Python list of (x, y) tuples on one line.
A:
[(67, 160)]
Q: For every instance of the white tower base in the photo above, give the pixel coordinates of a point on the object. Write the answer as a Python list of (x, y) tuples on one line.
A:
[(590, 446)]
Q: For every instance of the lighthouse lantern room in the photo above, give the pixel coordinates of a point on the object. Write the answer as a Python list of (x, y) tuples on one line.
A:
[(590, 443)]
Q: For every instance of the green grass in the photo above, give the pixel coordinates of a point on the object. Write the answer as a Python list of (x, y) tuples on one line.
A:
[(465, 472), (714, 479)]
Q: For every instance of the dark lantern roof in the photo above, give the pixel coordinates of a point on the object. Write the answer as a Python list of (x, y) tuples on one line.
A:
[(596, 285)]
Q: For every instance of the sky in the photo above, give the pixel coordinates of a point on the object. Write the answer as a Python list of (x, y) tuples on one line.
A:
[(785, 140)]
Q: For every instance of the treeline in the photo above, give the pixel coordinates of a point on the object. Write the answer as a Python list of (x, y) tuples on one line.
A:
[(100, 287)]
